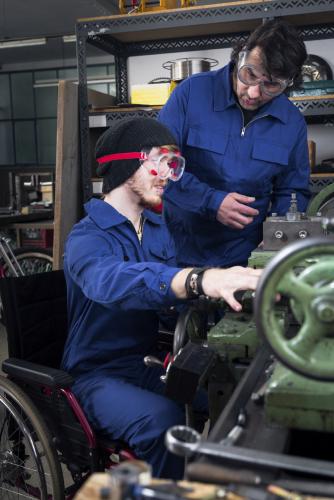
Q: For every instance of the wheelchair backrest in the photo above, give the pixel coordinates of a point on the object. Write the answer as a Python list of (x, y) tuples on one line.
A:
[(35, 316)]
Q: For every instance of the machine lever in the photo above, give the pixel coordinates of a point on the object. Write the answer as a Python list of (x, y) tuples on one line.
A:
[(152, 361), (235, 433)]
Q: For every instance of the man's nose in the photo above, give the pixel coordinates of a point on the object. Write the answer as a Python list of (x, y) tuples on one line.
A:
[(165, 169), (254, 91)]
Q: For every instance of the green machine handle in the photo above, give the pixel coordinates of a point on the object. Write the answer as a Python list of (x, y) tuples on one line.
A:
[(303, 274)]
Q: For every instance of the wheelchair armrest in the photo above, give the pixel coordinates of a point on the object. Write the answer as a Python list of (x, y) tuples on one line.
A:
[(35, 373)]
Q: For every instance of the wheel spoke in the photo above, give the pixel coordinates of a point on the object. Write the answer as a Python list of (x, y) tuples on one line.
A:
[(28, 464), (303, 275), (303, 343), (295, 288)]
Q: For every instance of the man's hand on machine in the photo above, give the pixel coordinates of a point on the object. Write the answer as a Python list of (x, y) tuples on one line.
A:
[(223, 283), (218, 283)]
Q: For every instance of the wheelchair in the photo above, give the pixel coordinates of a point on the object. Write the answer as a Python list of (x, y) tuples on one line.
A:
[(44, 433)]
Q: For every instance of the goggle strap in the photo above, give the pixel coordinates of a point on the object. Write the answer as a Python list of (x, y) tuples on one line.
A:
[(122, 156), (164, 151)]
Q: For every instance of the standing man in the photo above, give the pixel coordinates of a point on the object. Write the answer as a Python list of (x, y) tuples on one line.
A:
[(245, 145), (120, 270)]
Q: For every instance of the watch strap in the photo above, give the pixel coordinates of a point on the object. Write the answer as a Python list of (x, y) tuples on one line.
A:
[(193, 284)]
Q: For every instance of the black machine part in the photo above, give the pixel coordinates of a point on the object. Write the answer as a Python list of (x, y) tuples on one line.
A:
[(187, 371)]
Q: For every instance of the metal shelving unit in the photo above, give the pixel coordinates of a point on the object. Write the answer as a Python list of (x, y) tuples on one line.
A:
[(192, 28), (315, 106), (320, 181)]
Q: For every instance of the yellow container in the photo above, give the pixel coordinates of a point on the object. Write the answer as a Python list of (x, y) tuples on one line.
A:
[(154, 94)]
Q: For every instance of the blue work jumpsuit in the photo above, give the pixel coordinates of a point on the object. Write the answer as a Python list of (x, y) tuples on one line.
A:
[(115, 285), (267, 159)]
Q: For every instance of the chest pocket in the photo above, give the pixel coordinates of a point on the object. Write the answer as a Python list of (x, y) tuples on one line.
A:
[(205, 151), (213, 141), (270, 153), (268, 161), (159, 253)]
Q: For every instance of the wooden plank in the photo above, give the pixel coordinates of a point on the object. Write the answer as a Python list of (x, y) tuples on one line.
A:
[(323, 97), (195, 7), (123, 108), (68, 191), (42, 224), (92, 488), (325, 174)]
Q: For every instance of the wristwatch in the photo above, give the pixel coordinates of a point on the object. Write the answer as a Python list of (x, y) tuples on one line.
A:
[(194, 282)]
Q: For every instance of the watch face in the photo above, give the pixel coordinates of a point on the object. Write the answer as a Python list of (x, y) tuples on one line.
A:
[(193, 283)]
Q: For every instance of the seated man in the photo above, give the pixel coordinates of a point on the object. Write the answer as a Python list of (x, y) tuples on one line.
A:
[(120, 270)]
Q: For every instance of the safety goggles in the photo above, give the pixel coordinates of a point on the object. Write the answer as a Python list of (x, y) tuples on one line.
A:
[(251, 75), (167, 164)]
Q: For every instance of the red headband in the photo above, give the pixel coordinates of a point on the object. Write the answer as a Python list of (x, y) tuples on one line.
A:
[(132, 156), (121, 156)]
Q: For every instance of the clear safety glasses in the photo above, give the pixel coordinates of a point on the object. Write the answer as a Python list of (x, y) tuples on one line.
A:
[(167, 164), (251, 75)]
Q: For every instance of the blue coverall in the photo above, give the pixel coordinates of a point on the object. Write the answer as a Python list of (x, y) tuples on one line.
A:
[(115, 285), (267, 159)]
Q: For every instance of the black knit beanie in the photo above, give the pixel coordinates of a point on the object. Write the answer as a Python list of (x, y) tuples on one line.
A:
[(125, 136)]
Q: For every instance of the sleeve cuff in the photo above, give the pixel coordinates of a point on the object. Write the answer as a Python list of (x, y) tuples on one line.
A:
[(164, 284), (215, 201)]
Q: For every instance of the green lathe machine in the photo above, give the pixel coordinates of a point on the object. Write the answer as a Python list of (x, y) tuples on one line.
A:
[(298, 328), (271, 391)]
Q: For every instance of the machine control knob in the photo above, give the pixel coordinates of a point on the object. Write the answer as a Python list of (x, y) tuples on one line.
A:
[(325, 310), (302, 234), (278, 234)]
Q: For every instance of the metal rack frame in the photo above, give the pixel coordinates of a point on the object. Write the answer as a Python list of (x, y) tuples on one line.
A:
[(173, 26)]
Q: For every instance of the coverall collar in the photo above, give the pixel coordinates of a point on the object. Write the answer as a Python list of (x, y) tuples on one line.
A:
[(106, 216), (224, 96)]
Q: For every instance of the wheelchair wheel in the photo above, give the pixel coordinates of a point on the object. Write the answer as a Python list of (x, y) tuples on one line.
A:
[(32, 260), (29, 466)]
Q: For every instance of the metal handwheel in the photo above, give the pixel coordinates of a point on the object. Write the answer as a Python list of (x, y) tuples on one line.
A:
[(304, 273), (29, 466), (323, 202), (190, 325)]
